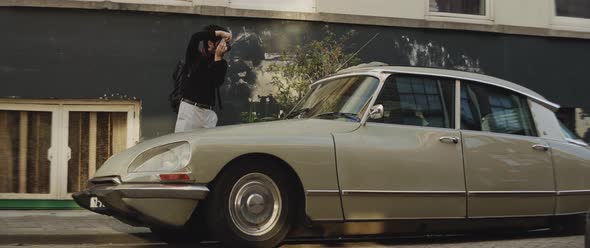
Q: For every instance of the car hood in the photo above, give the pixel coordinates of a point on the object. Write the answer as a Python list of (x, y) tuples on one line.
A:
[(117, 165)]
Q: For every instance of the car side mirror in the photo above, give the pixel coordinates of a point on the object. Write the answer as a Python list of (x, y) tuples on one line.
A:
[(376, 112)]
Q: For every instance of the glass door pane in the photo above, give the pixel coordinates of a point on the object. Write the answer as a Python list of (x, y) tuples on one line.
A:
[(93, 137), (25, 140)]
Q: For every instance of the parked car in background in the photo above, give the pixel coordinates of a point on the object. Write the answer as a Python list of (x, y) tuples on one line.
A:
[(370, 143)]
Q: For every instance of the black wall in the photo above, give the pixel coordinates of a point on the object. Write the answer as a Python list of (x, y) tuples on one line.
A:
[(69, 53)]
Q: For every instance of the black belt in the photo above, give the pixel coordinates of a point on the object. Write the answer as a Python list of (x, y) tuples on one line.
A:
[(197, 104)]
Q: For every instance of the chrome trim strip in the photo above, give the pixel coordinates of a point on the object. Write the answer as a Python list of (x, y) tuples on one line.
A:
[(105, 180), (574, 213), (322, 192), (403, 193), (349, 74), (165, 191), (407, 218), (510, 193), (509, 216), (457, 109), (576, 142), (463, 193), (545, 102), (573, 192)]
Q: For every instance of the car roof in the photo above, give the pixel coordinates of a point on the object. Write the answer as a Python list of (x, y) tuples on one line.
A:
[(475, 77)]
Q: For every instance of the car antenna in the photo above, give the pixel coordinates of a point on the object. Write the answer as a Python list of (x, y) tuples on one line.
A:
[(352, 56)]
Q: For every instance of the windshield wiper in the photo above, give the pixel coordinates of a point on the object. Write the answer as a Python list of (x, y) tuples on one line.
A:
[(297, 112), (350, 116)]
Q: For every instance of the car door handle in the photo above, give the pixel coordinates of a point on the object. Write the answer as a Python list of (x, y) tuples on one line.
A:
[(541, 147), (448, 139)]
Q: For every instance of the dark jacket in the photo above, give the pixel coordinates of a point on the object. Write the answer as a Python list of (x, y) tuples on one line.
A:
[(205, 75)]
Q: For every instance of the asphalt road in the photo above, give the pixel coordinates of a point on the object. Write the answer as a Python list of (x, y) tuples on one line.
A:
[(86, 229), (514, 241)]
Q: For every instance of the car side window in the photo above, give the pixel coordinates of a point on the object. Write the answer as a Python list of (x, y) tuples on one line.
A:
[(493, 109), (417, 101)]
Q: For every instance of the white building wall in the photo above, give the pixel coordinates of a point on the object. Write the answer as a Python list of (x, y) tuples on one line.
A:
[(529, 17), (524, 13), (411, 9)]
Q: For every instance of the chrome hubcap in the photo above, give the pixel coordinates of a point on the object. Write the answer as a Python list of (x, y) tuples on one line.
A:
[(255, 204)]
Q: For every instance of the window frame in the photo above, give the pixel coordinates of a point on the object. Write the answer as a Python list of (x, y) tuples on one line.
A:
[(526, 99), (566, 22), (452, 119), (488, 18), (60, 109), (53, 154)]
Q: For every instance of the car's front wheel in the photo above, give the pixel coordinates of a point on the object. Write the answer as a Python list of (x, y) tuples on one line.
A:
[(249, 206)]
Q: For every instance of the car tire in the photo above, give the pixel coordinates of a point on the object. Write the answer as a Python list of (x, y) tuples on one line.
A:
[(249, 205)]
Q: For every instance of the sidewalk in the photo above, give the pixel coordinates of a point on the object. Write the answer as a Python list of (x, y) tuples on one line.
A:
[(28, 227)]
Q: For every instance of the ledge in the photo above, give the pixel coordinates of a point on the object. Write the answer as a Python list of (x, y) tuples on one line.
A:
[(187, 7)]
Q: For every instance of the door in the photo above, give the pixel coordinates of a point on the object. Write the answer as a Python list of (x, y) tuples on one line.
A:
[(50, 148), (93, 134), (28, 155), (408, 164), (508, 169)]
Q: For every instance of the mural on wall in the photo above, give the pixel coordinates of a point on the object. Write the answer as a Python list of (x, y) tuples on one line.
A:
[(435, 54), (131, 55)]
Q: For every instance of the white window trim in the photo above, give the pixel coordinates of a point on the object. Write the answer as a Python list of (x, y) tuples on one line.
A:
[(132, 133), (567, 23), (59, 142), (488, 18), (53, 153)]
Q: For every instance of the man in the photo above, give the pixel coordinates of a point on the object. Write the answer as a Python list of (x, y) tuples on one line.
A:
[(206, 70)]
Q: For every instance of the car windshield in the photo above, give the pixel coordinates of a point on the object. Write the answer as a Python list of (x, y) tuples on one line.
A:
[(342, 98)]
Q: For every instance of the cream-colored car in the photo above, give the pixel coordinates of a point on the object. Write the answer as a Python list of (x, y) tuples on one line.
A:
[(369, 144)]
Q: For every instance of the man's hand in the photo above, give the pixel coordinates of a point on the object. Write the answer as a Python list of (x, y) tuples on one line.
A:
[(225, 35), (221, 49)]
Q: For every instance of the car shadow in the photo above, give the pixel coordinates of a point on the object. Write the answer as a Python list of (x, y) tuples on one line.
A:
[(373, 241)]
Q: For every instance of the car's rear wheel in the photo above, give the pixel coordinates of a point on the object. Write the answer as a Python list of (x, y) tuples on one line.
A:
[(249, 206)]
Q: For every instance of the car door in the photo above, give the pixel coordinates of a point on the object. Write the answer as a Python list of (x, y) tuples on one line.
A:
[(407, 164), (508, 168)]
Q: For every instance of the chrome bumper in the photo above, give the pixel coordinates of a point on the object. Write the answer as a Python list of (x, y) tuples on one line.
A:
[(146, 191), (136, 204)]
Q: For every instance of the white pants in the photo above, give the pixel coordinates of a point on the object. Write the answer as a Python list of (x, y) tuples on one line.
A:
[(191, 117)]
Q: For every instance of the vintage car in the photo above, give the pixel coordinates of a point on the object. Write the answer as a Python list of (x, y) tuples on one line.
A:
[(371, 143)]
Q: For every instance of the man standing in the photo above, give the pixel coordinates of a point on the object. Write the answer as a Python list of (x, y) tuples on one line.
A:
[(206, 70)]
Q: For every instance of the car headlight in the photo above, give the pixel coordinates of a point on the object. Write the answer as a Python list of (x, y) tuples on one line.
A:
[(165, 158)]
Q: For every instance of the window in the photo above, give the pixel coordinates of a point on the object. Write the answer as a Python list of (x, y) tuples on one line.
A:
[(468, 7), (25, 139), (340, 98), (92, 138), (573, 8), (491, 109), (417, 101), (51, 147)]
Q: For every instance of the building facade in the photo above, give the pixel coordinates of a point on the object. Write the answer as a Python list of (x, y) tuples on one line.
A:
[(81, 80)]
